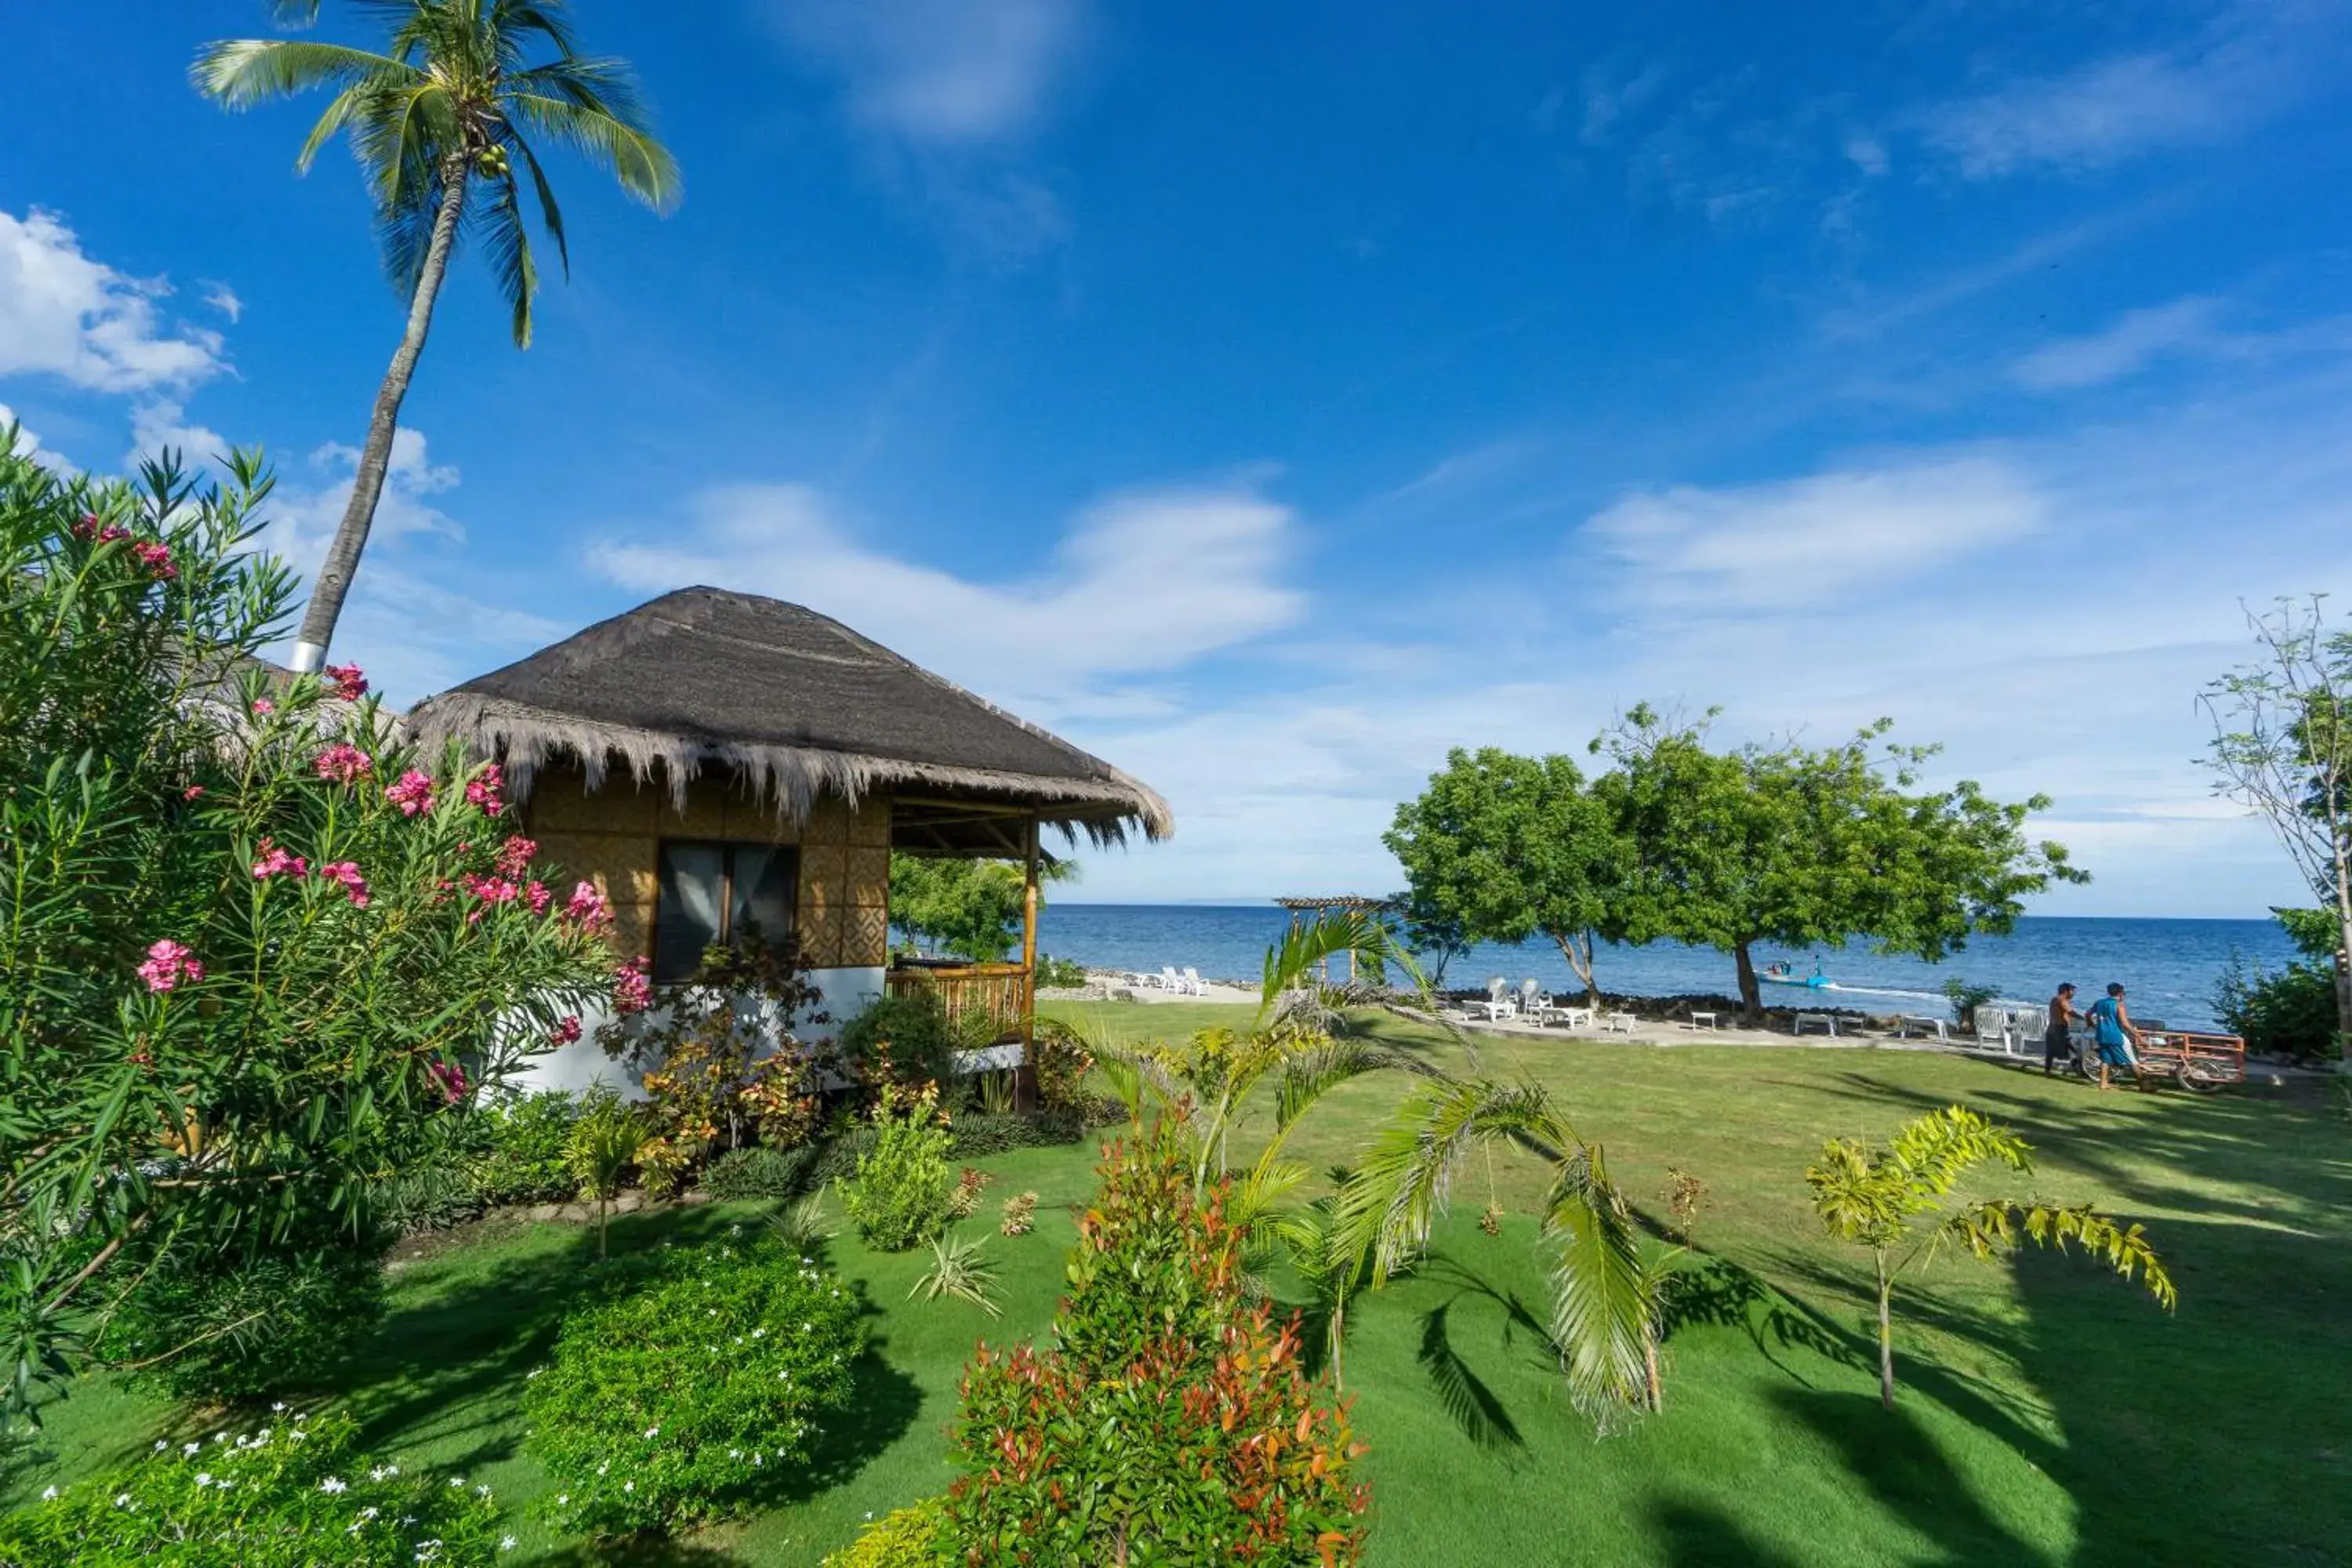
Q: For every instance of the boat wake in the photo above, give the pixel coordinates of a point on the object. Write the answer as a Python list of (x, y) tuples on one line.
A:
[(1886, 991)]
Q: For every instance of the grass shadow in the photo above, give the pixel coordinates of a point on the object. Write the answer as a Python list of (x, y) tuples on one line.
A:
[(1465, 1397), (654, 1551), (1694, 1535)]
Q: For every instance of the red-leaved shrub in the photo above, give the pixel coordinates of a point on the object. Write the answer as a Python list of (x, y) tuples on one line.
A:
[(1169, 1424)]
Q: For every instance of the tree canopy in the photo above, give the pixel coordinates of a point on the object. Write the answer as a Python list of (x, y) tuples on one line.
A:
[(1804, 846), (1503, 847), (969, 908)]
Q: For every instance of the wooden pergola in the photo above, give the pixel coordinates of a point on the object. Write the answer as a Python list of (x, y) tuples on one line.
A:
[(1301, 905)]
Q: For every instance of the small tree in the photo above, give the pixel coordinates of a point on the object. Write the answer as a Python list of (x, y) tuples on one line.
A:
[(1433, 937), (1807, 847), (1504, 848), (605, 1141), (970, 907), (1892, 1201), (2283, 748)]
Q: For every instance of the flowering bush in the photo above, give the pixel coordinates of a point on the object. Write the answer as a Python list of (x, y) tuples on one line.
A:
[(1168, 1425), (694, 1390), (245, 980), (902, 1194), (289, 1494)]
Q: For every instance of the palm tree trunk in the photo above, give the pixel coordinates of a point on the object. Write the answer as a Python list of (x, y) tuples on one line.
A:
[(334, 579), (1886, 1337)]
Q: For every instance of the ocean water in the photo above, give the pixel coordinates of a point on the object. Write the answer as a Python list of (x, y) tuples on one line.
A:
[(2169, 966)]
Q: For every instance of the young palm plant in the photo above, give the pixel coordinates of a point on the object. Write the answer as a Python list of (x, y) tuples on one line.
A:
[(436, 119), (1892, 1201), (604, 1143), (958, 1269)]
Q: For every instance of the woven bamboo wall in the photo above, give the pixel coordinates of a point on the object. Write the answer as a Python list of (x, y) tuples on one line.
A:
[(611, 838)]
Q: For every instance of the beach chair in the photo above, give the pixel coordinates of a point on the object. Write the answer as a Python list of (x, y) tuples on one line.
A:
[(1193, 984), (1533, 1000), (1170, 980), (1498, 1004)]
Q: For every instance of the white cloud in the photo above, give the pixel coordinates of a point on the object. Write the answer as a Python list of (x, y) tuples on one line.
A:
[(65, 314), (939, 72), (1609, 97), (2247, 65), (222, 298), (1802, 541), (27, 444), (1144, 583), (160, 423), (304, 517), (2184, 329)]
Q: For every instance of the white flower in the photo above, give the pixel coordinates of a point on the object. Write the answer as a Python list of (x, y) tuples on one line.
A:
[(161, 1445), (49, 1494), (281, 1404), (330, 1485), (734, 1453), (628, 1486), (190, 1447), (457, 1480), (367, 1513), (535, 1371), (563, 1499), (204, 1478), (376, 1473), (653, 1431), (506, 1544), (483, 1491), (603, 1467), (123, 1500)]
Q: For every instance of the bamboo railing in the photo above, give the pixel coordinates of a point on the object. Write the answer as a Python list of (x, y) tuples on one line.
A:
[(999, 992)]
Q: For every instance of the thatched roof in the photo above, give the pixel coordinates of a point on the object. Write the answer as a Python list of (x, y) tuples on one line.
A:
[(792, 703)]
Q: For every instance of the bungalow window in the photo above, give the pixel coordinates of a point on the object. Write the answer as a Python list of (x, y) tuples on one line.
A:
[(715, 894)]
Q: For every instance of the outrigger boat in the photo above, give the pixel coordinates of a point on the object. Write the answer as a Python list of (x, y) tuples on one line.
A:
[(1779, 975)]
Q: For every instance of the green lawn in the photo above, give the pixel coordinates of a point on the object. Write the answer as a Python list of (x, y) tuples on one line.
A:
[(2050, 1414)]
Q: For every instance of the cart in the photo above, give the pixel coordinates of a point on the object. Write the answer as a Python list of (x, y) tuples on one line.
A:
[(2202, 1064)]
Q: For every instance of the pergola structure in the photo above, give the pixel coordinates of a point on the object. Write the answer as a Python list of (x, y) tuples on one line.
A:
[(1301, 905)]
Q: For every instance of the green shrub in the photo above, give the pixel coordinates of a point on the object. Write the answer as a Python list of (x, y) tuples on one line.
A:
[(1062, 974), (907, 1037), (912, 1535), (228, 1326), (899, 1196), (1170, 1425), (760, 1172), (288, 1495), (525, 1137), (971, 1136), (693, 1391), (2289, 1012)]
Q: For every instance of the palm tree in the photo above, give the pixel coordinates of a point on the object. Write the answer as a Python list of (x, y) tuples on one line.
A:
[(604, 1143), (437, 121), (1876, 1197)]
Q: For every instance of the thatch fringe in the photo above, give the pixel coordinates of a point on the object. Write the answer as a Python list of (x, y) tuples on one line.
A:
[(524, 739)]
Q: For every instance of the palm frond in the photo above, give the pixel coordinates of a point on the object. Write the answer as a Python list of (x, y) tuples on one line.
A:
[(237, 73), (507, 246), (643, 165), (1403, 1181), (550, 214), (1995, 1225), (1604, 1299)]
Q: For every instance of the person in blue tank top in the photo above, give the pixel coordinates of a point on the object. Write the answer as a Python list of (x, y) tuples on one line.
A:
[(2112, 1028)]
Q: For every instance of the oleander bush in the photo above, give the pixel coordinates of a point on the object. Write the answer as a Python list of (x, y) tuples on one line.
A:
[(694, 1388), (1168, 1423), (291, 1493), (900, 1195), (760, 1171), (242, 1325)]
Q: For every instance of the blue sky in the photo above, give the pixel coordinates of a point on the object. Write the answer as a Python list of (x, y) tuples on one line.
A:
[(1271, 398)]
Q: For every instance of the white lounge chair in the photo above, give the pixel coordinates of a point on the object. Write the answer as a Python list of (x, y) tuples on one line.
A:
[(1193, 984), (1498, 1004), (1170, 980), (1139, 980)]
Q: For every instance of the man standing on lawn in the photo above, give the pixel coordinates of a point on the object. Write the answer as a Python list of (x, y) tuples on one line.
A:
[(2055, 1041), (2116, 1033)]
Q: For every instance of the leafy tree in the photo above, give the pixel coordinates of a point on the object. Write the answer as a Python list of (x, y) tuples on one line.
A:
[(1892, 1201), (1433, 937), (1506, 847), (437, 121), (253, 948), (2283, 747), (2288, 1012), (1812, 847), (604, 1143), (973, 908)]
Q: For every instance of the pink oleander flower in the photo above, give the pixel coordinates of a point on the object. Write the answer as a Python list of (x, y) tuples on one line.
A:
[(110, 533), (169, 965), (342, 763), (276, 862), (413, 794), (587, 907), (158, 558), (483, 791), (490, 890), (538, 897), (347, 872), (193, 792), (349, 684), (451, 1078), (87, 526), (515, 855), (631, 992), (264, 707), (566, 1030)]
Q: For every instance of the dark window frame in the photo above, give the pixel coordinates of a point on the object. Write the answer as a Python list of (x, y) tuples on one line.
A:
[(725, 936)]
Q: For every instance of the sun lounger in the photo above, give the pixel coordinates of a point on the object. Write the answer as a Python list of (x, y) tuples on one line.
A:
[(1941, 1028), (1619, 1023), (1193, 984), (1827, 1021), (1170, 980)]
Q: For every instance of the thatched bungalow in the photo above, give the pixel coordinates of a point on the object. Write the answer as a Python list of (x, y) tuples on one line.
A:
[(713, 759)]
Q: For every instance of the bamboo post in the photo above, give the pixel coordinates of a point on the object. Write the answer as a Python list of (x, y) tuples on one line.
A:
[(1024, 1080)]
